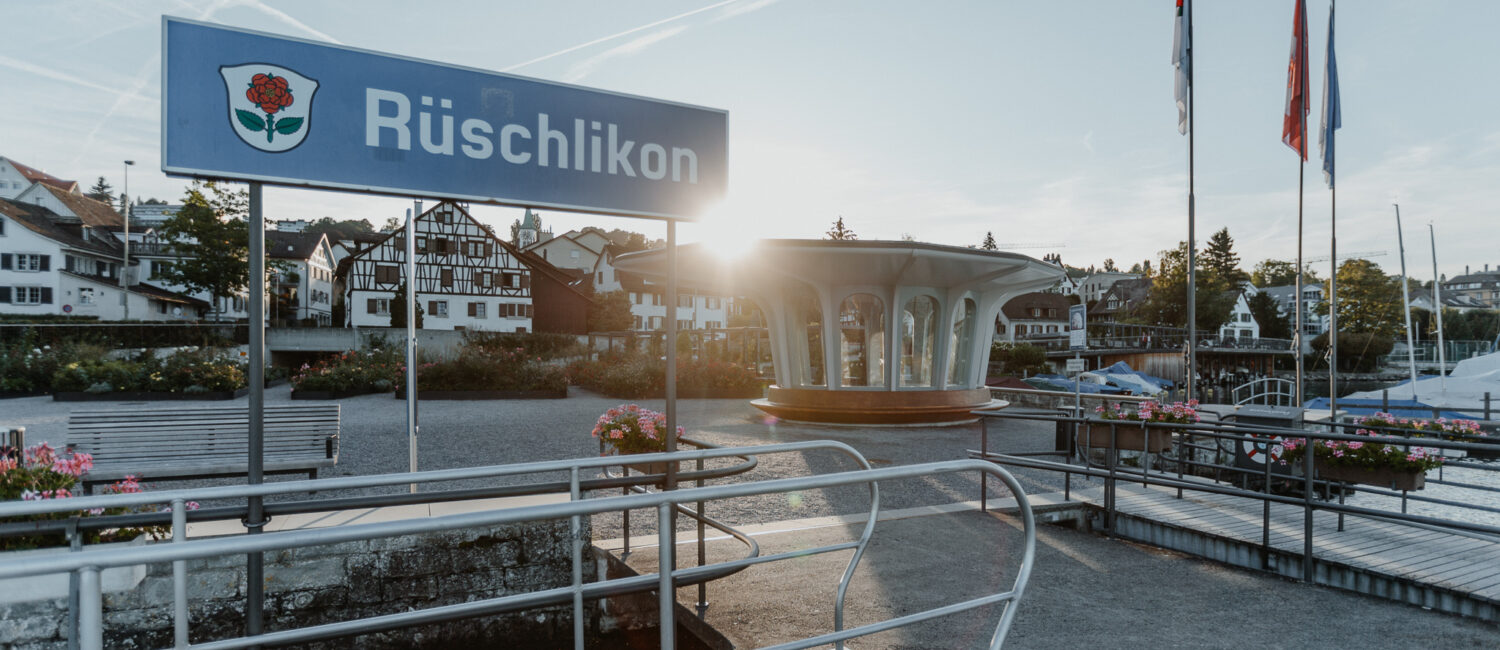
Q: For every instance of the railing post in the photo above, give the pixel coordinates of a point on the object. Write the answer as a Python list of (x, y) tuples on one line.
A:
[(1265, 513), (1487, 406), (179, 576), (666, 593), (702, 551), (75, 544), (90, 610), (575, 534), (1307, 505), (984, 448)]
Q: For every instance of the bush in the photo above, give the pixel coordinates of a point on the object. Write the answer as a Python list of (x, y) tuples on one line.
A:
[(476, 369), (1018, 359), (374, 370), (543, 345), (27, 366), (636, 376), (188, 368), (1358, 351)]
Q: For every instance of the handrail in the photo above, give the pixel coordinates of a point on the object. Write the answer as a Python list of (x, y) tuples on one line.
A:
[(89, 562)]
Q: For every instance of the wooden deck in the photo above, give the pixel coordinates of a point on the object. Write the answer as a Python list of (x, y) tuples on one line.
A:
[(1441, 570)]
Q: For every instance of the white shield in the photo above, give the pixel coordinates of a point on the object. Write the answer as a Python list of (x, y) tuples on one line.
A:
[(259, 109)]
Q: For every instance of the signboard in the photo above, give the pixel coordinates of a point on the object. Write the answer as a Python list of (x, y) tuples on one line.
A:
[(1075, 366), (251, 106), (1077, 327)]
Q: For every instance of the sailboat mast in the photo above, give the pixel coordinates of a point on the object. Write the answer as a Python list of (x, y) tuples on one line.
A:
[(1411, 350), (1437, 305)]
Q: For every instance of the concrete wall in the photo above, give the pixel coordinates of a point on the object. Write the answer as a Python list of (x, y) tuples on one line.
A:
[(339, 582)]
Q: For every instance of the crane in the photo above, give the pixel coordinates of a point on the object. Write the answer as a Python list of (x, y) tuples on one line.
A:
[(1013, 246), (1342, 256)]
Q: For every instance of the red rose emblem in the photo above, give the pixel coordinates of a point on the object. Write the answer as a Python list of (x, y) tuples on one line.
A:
[(270, 92)]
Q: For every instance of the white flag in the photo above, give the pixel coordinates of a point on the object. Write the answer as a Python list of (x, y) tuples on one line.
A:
[(1182, 61)]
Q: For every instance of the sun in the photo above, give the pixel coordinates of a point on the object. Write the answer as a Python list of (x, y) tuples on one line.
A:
[(726, 236)]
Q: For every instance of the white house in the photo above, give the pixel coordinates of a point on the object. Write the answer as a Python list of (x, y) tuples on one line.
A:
[(574, 250), (1093, 287), (1242, 323), (466, 277), (55, 265), (16, 178), (647, 307), (304, 286)]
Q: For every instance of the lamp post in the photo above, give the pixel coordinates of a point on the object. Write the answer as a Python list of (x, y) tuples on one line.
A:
[(125, 268)]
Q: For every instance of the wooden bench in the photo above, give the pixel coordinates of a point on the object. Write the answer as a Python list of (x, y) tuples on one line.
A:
[(186, 443)]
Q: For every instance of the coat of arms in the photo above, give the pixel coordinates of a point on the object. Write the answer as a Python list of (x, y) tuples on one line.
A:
[(269, 106)]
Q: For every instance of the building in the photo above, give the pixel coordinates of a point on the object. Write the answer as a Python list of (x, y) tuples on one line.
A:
[(1457, 302), (1482, 286), (1314, 320), (291, 225), (1067, 285), (695, 309), (531, 231), (16, 178), (1040, 313), (467, 278), (152, 215), (1120, 300), (1242, 323), (55, 265), (1092, 288), (302, 288), (574, 250)]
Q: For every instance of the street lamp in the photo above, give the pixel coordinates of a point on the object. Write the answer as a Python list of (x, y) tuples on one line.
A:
[(125, 268)]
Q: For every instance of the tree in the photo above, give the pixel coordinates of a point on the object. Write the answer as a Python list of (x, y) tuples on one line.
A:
[(1220, 259), (398, 308), (1274, 273), (392, 224), (153, 201), (610, 312), (515, 232), (1273, 324), (989, 242), (1109, 265), (336, 229), (1136, 268), (101, 191), (211, 240), (839, 233), (1167, 302), (1369, 301)]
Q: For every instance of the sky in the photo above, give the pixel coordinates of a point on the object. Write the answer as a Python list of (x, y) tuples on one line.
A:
[(1050, 124)]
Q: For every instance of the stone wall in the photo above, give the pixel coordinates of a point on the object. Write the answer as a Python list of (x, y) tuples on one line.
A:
[(324, 584)]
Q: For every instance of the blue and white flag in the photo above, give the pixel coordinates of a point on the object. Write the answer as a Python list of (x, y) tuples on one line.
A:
[(1182, 61), (1331, 120)]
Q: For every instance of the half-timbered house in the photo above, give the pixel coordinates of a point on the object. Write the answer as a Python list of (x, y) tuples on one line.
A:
[(466, 277)]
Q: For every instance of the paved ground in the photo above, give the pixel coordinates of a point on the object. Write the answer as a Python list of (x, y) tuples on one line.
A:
[(1087, 590)]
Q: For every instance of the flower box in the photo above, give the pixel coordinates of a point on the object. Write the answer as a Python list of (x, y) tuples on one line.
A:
[(1129, 436), (1375, 476), (147, 396), (332, 394), (55, 585), (485, 394), (652, 468)]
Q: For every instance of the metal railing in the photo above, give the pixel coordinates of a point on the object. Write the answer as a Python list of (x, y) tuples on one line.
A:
[(1268, 390), (87, 564), (1185, 468)]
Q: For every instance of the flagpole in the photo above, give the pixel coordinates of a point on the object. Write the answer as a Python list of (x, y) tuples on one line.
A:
[(1437, 305), (1331, 122), (1297, 298), (1192, 284)]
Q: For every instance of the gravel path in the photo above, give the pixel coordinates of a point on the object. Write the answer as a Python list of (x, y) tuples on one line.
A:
[(465, 434)]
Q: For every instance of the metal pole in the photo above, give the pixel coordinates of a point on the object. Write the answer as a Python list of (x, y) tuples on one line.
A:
[(255, 517), (91, 610), (1437, 305), (411, 335), (1192, 243), (1411, 348), (666, 563), (671, 345), (1297, 299), (1333, 305), (125, 269), (179, 576)]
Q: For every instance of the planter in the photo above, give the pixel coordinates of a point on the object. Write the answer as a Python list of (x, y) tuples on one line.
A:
[(1378, 477), (148, 396), (332, 394), (1128, 437), (485, 394), (13, 394), (55, 586)]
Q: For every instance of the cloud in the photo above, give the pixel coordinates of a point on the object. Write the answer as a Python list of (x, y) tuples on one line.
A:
[(616, 35), (582, 69), (59, 75)]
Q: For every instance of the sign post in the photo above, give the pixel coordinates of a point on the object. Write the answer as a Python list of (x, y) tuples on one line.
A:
[(262, 108), (1077, 342)]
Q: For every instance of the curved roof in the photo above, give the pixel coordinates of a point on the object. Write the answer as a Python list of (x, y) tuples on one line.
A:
[(837, 263)]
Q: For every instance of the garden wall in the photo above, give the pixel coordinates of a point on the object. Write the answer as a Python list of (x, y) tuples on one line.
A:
[(338, 582)]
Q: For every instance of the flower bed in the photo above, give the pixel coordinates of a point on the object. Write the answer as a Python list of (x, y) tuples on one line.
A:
[(489, 374), (634, 376), (188, 373), (40, 472), (26, 368), (351, 373)]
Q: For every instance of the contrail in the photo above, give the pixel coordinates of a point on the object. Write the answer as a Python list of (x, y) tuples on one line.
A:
[(627, 32)]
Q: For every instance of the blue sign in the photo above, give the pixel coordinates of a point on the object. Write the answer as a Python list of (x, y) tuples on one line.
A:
[(250, 106)]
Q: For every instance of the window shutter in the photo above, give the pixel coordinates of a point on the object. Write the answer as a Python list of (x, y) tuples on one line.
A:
[(447, 277), (370, 306), (46, 262), (432, 307), (478, 279), (526, 281), (6, 261), (5, 295), (489, 248), (46, 295), (473, 309)]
